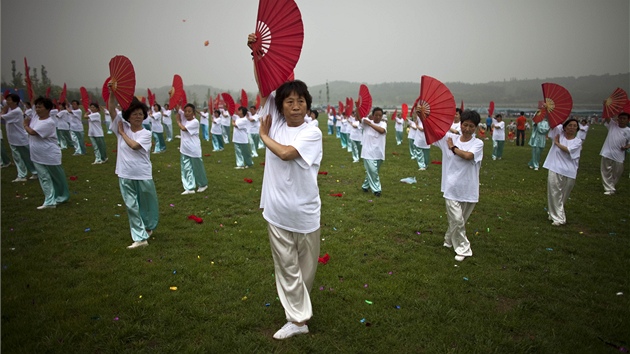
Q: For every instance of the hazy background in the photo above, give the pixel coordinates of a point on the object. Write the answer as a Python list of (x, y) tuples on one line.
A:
[(363, 41)]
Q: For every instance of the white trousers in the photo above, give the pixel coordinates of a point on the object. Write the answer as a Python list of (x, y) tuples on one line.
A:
[(295, 262), (558, 190), (611, 173), (458, 213)]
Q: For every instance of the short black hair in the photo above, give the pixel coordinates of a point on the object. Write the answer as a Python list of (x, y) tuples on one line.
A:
[(76, 101), (191, 106), (626, 114), (243, 110), (158, 106), (95, 104), (296, 86), (315, 113), (458, 110), (377, 109), (134, 105), (46, 102), (472, 116), (498, 116), (522, 113), (564, 125), (14, 97)]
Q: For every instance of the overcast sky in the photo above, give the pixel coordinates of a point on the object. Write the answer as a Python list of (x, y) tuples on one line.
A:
[(370, 41)]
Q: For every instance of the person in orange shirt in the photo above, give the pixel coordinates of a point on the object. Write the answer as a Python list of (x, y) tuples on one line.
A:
[(520, 129)]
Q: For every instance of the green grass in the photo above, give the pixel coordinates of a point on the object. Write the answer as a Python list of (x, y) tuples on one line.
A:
[(530, 287)]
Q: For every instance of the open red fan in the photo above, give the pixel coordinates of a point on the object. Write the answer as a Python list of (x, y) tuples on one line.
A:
[(105, 92), (85, 98), (123, 79), (405, 111), (626, 107), (365, 101), (395, 113), (257, 101), (558, 103), (491, 109), (437, 108), (349, 106), (279, 38), (342, 108), (29, 83), (62, 97), (539, 116), (244, 100), (48, 92), (334, 112), (229, 102), (184, 99), (614, 103), (151, 97), (176, 91)]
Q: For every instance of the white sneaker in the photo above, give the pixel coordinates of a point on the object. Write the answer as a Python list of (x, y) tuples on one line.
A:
[(422, 169), (97, 162), (201, 189), (536, 169), (46, 207), (188, 192), (19, 179), (609, 192), (460, 258), (557, 223), (137, 244), (289, 330), (447, 245), (239, 168), (34, 177)]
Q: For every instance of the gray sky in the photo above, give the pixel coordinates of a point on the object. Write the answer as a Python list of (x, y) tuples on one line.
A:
[(365, 41)]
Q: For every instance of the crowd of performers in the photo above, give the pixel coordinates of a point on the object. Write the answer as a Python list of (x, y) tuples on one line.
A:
[(38, 131)]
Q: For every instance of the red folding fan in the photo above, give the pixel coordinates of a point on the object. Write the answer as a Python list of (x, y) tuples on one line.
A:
[(626, 107), (437, 108), (175, 93), (123, 80), (349, 106), (614, 103), (491, 109), (105, 92), (279, 38), (539, 116), (244, 100), (229, 102), (334, 112), (257, 101), (85, 98), (29, 83), (365, 101), (48, 92), (62, 97), (395, 113), (341, 108), (184, 99), (405, 111), (558, 103), (151, 98)]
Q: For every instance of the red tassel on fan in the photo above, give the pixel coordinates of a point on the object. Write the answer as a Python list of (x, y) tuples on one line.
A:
[(491, 109), (405, 111), (322, 173), (336, 194), (248, 180), (279, 38), (395, 113), (48, 92), (29, 83)]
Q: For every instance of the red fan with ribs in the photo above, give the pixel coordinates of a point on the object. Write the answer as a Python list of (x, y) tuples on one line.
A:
[(122, 78), (349, 106), (341, 108), (558, 103), (437, 108), (491, 109), (105, 92), (279, 38), (29, 83), (405, 110), (62, 97), (176, 92), (48, 92), (229, 102), (364, 101), (244, 100), (85, 98), (395, 113), (151, 97), (539, 116), (614, 104)]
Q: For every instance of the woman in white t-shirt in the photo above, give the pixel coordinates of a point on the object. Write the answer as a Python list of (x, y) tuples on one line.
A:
[(168, 122), (562, 162), (193, 170), (290, 198), (216, 131), (422, 149), (411, 137), (399, 127), (356, 134), (498, 137), (46, 154), (155, 116), (253, 130), (461, 161), (134, 170), (95, 133), (204, 124), (240, 139), (373, 149)]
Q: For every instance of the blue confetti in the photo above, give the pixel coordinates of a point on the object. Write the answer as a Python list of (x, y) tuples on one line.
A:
[(466, 279), (549, 249), (88, 229)]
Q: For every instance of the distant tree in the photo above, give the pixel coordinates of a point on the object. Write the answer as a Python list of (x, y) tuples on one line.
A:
[(35, 82), (17, 78), (46, 83)]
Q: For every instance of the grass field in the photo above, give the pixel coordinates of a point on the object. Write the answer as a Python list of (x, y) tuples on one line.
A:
[(70, 285)]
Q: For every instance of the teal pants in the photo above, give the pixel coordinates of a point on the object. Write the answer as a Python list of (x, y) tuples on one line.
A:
[(65, 139), (160, 145), (5, 157), (79, 143), (193, 172), (412, 149), (22, 160), (423, 157), (254, 142), (217, 142), (100, 150), (141, 201), (243, 155), (372, 180), (399, 137), (52, 179), (356, 150), (498, 149), (535, 161)]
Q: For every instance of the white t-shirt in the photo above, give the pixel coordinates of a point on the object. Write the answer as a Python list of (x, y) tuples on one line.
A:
[(204, 118), (166, 117), (133, 164), (421, 139), (108, 117), (44, 148), (16, 134), (241, 126), (216, 129), (460, 177), (64, 120), (226, 120), (399, 124), (254, 125), (373, 142), (413, 129), (498, 133), (356, 132), (190, 144), (156, 122), (95, 127), (76, 124), (331, 120), (616, 138), (559, 161), (290, 195), (457, 126)]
